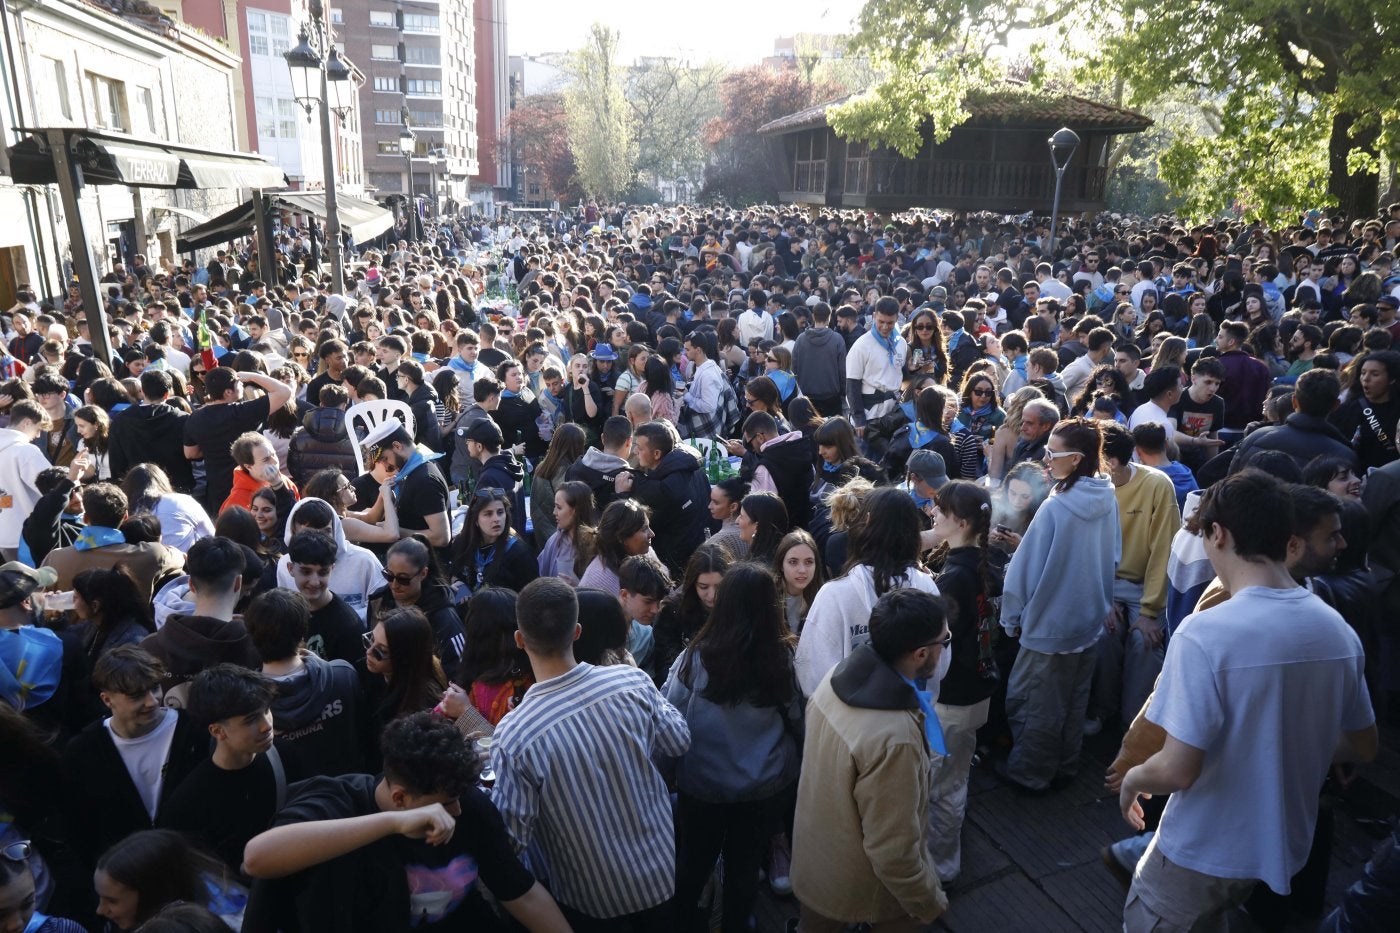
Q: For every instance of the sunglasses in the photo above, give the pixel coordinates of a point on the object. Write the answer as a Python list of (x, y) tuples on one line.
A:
[(402, 579), (376, 652), (1057, 454), (488, 493), (18, 851), (982, 392), (924, 327)]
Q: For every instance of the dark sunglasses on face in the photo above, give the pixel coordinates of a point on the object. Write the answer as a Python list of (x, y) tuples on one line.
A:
[(402, 579), (982, 392), (376, 652), (924, 327), (17, 851)]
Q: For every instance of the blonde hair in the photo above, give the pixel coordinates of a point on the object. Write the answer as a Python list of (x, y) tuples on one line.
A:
[(845, 502), (1017, 404)]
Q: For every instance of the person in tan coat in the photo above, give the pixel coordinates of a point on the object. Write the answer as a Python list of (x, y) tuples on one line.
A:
[(102, 545), (860, 852)]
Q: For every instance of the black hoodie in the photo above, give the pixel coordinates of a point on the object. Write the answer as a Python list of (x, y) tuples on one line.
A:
[(435, 602), (319, 718), (865, 681), (678, 495), (972, 673), (423, 403), (187, 644), (503, 471), (151, 434), (789, 464)]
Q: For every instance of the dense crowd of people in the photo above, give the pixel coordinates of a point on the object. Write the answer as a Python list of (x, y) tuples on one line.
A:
[(592, 572)]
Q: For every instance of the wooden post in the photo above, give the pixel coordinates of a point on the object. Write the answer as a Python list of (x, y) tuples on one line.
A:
[(70, 182)]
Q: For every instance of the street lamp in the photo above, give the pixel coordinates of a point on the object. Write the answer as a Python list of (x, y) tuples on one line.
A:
[(432, 169), (407, 143), (1062, 146), (321, 76)]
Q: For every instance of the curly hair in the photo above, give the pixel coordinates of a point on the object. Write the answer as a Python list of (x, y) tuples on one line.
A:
[(425, 754)]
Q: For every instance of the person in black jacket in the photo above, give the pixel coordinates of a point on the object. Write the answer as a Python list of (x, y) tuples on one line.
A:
[(56, 519), (1305, 434), (152, 432), (487, 552), (780, 463), (422, 401), (118, 780), (518, 411), (499, 468), (322, 443), (416, 582), (672, 483), (968, 586)]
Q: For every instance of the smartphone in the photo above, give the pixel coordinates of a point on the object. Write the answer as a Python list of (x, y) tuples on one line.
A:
[(1002, 530)]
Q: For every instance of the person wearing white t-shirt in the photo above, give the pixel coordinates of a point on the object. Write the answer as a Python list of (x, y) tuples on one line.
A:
[(1248, 744), (1162, 387), (875, 366), (121, 770)]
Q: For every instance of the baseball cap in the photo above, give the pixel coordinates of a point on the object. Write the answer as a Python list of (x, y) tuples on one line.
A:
[(1390, 301), (485, 432), (928, 466), (19, 581)]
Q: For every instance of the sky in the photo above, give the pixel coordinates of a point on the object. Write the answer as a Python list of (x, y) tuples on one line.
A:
[(732, 32)]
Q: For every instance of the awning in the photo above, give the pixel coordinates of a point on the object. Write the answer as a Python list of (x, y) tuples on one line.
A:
[(364, 219), (184, 212), (117, 159)]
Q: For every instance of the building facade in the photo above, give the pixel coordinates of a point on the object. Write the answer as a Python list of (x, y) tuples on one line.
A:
[(493, 180), (122, 67), (419, 62)]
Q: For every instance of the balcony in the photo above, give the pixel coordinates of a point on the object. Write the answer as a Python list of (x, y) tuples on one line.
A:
[(870, 179)]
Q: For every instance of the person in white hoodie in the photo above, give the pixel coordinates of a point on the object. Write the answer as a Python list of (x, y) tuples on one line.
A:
[(20, 464), (884, 549), (357, 573)]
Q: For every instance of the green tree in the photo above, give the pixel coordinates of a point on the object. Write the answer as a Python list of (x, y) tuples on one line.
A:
[(670, 102), (1306, 90), (601, 134), (539, 131)]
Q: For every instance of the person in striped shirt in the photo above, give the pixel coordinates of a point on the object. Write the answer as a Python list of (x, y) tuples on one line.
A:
[(575, 781)]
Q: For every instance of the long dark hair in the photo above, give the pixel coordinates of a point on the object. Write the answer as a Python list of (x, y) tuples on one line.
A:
[(1121, 392), (466, 545), (162, 867), (709, 557), (113, 597), (769, 512), (971, 503), (888, 540), (658, 376), (745, 645), (934, 343), (417, 682), (584, 533), (144, 484), (1083, 436), (567, 445), (491, 655), (621, 520)]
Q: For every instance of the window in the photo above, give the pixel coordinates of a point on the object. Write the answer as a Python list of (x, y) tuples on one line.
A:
[(384, 52), (277, 117), (381, 18), (268, 33), (337, 16), (388, 85), (422, 87), (420, 22), (425, 117), (389, 147), (148, 107), (388, 116), (108, 98), (422, 55), (59, 75)]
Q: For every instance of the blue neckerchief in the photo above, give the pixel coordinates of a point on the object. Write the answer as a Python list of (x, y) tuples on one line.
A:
[(548, 396), (36, 922), (955, 338), (96, 536), (421, 357), (933, 729), (1019, 365), (688, 314), (890, 345), (920, 435), (120, 407), (507, 393), (414, 462), (831, 467), (31, 660), (919, 500), (957, 427), (908, 409), (462, 366), (785, 382), (677, 375)]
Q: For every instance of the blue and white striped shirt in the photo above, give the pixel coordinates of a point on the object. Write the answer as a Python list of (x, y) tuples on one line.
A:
[(574, 776)]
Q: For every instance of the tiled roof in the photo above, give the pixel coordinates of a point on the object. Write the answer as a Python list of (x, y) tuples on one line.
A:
[(1010, 104)]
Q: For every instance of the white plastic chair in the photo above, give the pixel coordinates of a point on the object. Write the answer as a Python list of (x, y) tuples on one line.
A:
[(362, 418)]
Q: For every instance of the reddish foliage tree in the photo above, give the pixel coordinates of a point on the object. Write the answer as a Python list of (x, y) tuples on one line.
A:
[(541, 137), (750, 98)]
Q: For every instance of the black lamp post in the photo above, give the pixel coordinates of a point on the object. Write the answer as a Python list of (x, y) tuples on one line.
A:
[(407, 143), (1062, 146), (321, 76)]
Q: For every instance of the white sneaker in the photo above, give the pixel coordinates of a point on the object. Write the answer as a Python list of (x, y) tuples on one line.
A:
[(780, 867)]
